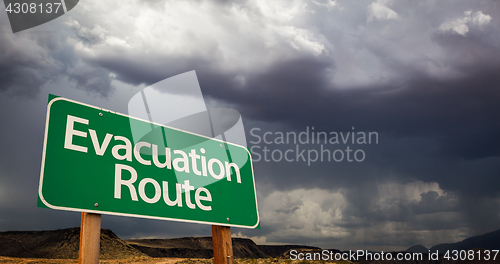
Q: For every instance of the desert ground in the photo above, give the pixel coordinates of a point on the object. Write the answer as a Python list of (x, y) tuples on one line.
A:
[(155, 261)]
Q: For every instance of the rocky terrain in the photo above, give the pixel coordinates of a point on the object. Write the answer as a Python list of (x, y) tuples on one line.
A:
[(61, 246), (64, 244), (201, 247)]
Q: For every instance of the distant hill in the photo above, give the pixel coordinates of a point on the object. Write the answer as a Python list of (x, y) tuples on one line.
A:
[(201, 247), (486, 241), (188, 247), (64, 244), (61, 244), (194, 247), (417, 249)]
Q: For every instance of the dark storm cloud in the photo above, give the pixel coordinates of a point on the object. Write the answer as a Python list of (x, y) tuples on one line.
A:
[(26, 67), (398, 208), (93, 79), (432, 95), (453, 119), (457, 111), (39, 56)]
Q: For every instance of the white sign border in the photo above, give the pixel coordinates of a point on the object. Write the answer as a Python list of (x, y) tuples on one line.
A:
[(125, 214)]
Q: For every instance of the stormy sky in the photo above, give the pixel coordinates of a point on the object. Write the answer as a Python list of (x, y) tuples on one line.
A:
[(422, 74)]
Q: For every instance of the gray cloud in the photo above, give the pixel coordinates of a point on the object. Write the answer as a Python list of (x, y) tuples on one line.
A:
[(42, 56), (408, 70)]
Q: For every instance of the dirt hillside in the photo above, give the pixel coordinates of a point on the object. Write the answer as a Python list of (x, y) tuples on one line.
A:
[(61, 244), (194, 247), (64, 244)]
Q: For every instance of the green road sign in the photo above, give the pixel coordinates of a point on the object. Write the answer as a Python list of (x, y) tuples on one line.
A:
[(91, 163)]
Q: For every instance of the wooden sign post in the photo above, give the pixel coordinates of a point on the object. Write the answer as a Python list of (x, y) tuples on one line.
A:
[(90, 235), (223, 247)]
